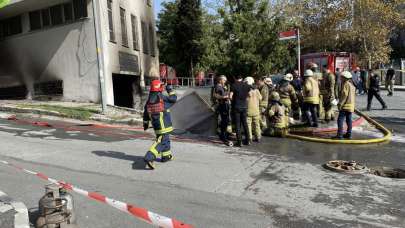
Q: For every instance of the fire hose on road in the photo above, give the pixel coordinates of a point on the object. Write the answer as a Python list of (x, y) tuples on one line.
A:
[(387, 134)]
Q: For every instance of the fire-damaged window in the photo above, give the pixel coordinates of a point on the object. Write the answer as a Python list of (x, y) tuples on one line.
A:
[(51, 88), (35, 20), (56, 15), (110, 20), (10, 26), (145, 42), (68, 12), (135, 33), (124, 32), (152, 40), (80, 8), (46, 18)]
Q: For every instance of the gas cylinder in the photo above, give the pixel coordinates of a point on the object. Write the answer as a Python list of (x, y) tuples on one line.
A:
[(56, 208)]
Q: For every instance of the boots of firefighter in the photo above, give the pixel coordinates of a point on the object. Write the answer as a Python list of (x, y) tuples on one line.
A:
[(149, 160), (167, 156), (347, 136)]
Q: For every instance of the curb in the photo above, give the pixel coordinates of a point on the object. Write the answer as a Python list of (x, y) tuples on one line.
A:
[(20, 217), (57, 114), (395, 88)]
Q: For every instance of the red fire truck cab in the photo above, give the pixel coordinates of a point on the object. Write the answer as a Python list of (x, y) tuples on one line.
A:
[(168, 75), (331, 60)]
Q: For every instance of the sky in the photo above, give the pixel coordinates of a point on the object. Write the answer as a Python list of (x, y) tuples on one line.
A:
[(157, 4)]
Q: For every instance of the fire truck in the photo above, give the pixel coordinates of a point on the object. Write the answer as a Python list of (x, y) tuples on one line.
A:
[(168, 75), (333, 61)]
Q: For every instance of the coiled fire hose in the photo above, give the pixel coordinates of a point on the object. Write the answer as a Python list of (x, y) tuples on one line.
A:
[(387, 135)]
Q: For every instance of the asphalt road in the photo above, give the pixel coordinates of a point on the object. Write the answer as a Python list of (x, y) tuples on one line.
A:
[(279, 183)]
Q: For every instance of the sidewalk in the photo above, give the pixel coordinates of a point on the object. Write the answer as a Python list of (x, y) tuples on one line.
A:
[(73, 110), (12, 214), (396, 88)]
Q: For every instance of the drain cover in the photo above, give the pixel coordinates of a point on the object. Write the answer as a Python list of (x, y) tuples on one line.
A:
[(350, 167), (388, 172)]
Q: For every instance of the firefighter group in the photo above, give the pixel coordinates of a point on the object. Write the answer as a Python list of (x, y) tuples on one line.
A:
[(251, 108)]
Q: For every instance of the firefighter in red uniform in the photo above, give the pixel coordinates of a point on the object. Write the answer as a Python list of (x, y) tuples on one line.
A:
[(157, 111)]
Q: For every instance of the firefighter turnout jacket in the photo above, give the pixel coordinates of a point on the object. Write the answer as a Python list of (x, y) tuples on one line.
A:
[(157, 111), (277, 115), (311, 91), (347, 97)]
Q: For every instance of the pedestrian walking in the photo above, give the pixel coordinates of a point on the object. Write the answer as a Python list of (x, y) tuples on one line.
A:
[(346, 106), (264, 102), (222, 97), (239, 94), (157, 111), (311, 98), (254, 111), (390, 81), (374, 91)]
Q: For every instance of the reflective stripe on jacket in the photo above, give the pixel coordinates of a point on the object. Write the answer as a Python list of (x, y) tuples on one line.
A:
[(347, 97), (162, 122), (311, 91)]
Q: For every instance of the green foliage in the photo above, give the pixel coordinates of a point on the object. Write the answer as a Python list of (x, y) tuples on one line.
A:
[(70, 112), (241, 39), (254, 48), (188, 35), (362, 26), (166, 25)]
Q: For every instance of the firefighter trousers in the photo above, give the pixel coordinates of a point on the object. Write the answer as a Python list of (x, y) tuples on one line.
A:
[(161, 148)]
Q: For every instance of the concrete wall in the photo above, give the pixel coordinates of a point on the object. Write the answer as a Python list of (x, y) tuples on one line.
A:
[(65, 52), (149, 66), (68, 52)]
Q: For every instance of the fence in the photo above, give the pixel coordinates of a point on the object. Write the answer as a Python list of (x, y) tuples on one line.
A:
[(186, 82)]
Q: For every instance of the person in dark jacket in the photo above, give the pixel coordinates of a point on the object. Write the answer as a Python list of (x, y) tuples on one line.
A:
[(374, 91), (390, 81), (239, 94), (157, 111), (221, 94)]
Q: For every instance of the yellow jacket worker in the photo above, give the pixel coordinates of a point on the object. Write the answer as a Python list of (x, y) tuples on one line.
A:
[(311, 98), (346, 105)]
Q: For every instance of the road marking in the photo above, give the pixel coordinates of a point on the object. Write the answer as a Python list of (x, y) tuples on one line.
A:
[(138, 212)]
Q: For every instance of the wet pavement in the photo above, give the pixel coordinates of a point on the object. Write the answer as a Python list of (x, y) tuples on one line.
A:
[(278, 183)]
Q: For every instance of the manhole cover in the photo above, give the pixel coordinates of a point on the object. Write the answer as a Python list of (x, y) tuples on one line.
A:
[(388, 172), (350, 167)]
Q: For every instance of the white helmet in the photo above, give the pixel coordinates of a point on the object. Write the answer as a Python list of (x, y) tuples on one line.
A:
[(249, 80), (347, 75), (309, 73), (288, 77)]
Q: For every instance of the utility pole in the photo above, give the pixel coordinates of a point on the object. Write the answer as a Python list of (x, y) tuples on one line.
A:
[(299, 51), (99, 49)]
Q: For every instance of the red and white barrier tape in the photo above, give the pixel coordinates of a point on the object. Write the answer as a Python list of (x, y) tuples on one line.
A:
[(140, 213)]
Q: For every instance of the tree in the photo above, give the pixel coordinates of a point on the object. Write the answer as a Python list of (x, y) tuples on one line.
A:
[(252, 35), (360, 26), (3, 3), (166, 24), (188, 35)]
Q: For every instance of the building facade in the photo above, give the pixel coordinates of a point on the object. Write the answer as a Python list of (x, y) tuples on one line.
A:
[(48, 49)]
